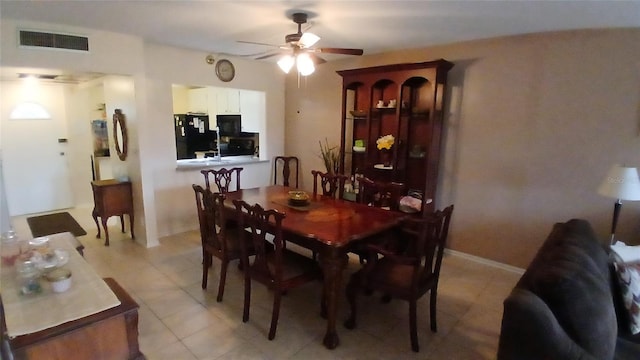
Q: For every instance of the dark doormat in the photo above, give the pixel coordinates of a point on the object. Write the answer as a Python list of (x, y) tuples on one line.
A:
[(53, 224)]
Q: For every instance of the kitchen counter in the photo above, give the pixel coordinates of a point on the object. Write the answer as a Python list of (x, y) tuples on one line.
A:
[(226, 161)]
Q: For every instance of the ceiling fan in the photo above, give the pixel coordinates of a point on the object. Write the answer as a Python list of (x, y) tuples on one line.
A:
[(298, 49)]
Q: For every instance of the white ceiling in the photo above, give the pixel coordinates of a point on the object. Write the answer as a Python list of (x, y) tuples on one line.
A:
[(375, 26)]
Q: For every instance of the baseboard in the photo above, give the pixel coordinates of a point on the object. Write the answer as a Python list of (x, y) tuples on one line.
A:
[(484, 261)]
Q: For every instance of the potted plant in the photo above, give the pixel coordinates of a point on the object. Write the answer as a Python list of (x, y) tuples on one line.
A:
[(330, 155)]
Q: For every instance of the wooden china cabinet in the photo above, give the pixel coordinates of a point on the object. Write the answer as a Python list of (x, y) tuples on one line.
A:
[(403, 100)]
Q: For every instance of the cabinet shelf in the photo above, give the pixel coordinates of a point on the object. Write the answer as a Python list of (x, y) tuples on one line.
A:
[(418, 90)]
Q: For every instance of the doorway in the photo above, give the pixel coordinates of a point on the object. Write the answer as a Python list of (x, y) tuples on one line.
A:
[(35, 151)]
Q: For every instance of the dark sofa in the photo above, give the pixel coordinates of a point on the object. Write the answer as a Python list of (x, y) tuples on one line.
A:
[(567, 303)]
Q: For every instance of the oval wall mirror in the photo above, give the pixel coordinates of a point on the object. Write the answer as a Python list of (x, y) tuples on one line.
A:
[(120, 134)]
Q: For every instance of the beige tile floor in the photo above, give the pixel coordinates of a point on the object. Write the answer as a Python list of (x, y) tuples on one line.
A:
[(179, 320)]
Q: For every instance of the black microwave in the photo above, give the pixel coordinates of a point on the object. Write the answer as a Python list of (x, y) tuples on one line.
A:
[(229, 125), (238, 146)]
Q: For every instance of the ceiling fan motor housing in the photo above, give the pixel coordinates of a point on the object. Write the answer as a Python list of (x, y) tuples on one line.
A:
[(292, 38), (299, 18)]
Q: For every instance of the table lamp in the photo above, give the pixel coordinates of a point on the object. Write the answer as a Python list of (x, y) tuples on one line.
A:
[(621, 183)]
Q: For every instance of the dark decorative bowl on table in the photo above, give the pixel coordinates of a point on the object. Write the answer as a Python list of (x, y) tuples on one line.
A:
[(298, 198)]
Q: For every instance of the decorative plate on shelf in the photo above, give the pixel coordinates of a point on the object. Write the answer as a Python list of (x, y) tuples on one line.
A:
[(382, 167), (359, 149)]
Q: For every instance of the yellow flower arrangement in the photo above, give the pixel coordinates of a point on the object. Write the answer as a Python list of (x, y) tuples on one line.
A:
[(385, 142)]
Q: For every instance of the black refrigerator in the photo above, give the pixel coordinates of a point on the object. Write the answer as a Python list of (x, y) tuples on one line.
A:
[(193, 134)]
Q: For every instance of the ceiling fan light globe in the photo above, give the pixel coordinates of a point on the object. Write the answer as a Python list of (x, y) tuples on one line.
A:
[(286, 63), (308, 39), (304, 64)]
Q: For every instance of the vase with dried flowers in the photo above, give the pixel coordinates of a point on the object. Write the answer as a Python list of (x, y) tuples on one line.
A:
[(330, 155), (384, 144)]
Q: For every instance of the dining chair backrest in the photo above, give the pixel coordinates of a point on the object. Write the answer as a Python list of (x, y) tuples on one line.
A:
[(218, 239), (288, 163), (223, 178), (330, 184), (381, 194), (427, 248), (211, 217), (258, 222)]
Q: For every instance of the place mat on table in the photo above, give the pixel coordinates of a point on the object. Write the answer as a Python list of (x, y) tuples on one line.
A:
[(285, 202)]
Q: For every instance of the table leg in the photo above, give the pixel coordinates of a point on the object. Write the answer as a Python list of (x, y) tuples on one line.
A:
[(133, 236), (106, 230), (333, 263), (94, 213)]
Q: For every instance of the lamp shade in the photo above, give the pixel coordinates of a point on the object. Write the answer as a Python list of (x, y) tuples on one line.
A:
[(304, 64), (621, 183), (29, 110), (286, 63)]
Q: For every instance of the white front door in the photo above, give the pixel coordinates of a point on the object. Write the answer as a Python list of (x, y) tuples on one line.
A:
[(34, 157)]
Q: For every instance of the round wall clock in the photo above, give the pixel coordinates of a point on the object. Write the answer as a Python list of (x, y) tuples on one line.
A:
[(225, 70)]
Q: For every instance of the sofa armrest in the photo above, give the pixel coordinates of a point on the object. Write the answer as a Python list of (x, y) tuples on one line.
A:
[(531, 331)]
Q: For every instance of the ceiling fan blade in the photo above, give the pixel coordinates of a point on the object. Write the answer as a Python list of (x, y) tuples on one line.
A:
[(308, 39), (317, 60), (266, 56), (341, 51), (257, 43)]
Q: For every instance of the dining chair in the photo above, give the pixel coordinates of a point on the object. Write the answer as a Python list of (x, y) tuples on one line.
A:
[(385, 195), (217, 238), (223, 178), (407, 275), (381, 194), (287, 163), (276, 267), (330, 184)]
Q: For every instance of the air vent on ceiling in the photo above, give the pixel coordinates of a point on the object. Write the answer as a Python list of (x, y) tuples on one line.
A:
[(51, 40)]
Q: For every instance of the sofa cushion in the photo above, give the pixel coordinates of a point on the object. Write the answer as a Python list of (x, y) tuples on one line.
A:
[(626, 350), (624, 330), (570, 274), (629, 278), (530, 331)]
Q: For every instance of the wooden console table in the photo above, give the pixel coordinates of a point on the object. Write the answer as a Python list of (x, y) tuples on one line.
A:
[(112, 198), (109, 334)]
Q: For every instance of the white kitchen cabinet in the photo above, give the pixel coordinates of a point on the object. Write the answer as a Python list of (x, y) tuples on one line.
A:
[(228, 101), (197, 100), (252, 106)]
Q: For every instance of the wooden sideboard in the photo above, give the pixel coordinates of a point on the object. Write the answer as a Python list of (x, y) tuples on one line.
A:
[(112, 198), (109, 334)]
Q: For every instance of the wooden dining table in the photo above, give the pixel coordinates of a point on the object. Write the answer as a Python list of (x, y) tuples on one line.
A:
[(327, 226)]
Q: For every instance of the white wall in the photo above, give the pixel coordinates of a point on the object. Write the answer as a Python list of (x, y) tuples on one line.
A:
[(5, 220), (82, 102)]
